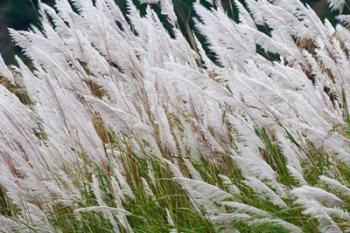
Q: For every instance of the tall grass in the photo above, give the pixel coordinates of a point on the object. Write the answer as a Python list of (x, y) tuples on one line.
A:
[(128, 123)]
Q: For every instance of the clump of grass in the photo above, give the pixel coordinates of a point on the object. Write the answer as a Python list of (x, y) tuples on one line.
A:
[(123, 125)]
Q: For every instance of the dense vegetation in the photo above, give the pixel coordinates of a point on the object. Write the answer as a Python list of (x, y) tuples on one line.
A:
[(128, 120), (20, 14)]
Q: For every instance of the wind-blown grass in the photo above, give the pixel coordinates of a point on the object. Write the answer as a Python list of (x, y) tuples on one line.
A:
[(118, 124)]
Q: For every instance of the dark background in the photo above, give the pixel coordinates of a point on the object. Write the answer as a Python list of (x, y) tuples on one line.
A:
[(19, 14)]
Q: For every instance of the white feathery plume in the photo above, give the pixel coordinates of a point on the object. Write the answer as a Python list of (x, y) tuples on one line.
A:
[(5, 72), (170, 222), (10, 225), (231, 188), (307, 192), (102, 206), (246, 209), (147, 189), (244, 16), (123, 184), (262, 189), (193, 172), (337, 5), (203, 195), (344, 19), (335, 185)]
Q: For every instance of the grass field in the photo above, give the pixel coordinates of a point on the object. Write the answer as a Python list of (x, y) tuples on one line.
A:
[(138, 122)]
